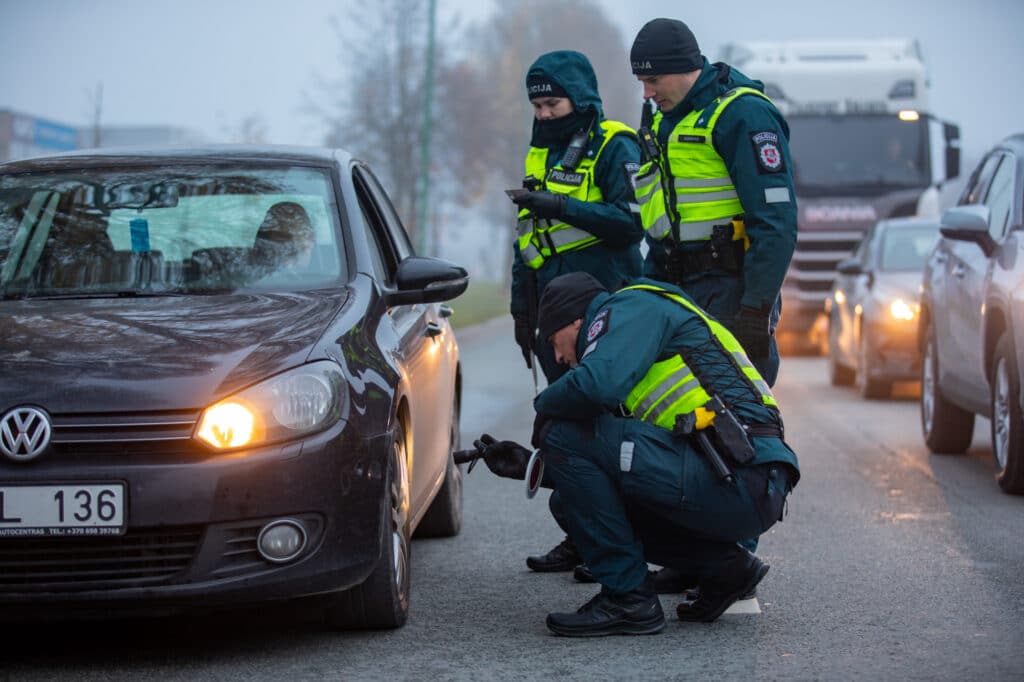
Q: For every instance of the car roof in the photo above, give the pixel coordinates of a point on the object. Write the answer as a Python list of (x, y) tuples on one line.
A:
[(142, 156)]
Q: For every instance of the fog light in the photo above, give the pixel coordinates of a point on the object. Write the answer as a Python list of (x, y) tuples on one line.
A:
[(281, 541)]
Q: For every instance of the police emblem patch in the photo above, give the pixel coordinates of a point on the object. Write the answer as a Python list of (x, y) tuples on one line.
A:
[(768, 152), (599, 326)]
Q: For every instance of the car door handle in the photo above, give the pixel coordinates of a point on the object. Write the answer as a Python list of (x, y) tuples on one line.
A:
[(433, 329), (445, 310), (959, 271)]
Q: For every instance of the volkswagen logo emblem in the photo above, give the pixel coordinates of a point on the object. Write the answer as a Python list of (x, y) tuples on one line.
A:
[(24, 433)]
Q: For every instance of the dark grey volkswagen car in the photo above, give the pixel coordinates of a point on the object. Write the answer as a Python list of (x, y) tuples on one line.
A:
[(224, 377)]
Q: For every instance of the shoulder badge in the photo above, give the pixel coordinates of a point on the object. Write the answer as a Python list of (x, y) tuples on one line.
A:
[(599, 325), (768, 152)]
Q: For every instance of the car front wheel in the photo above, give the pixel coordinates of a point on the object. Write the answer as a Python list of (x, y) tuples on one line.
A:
[(382, 600), (869, 387), (1007, 420), (947, 429)]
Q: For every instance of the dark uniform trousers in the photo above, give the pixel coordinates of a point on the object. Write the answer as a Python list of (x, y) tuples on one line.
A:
[(655, 499)]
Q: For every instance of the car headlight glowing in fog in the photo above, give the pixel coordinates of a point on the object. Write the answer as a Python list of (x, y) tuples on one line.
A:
[(901, 310), (295, 403)]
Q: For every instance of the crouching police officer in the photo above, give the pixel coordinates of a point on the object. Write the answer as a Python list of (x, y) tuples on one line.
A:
[(665, 445)]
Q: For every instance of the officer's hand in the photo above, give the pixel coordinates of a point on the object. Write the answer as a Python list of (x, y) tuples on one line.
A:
[(751, 329), (504, 458), (524, 338), (543, 204), (541, 426)]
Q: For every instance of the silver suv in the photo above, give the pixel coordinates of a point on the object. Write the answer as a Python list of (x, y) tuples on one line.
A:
[(971, 328)]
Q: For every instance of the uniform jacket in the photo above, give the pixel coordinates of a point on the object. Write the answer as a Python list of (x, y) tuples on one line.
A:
[(771, 227), (616, 260), (623, 334)]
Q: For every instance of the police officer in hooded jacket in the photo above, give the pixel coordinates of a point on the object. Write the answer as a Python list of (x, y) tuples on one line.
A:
[(576, 215), (715, 193), (665, 443)]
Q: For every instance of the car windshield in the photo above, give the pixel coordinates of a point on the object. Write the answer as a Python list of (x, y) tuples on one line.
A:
[(869, 154), (167, 230), (906, 249)]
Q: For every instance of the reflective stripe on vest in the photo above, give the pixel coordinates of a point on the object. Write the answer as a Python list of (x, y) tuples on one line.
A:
[(545, 238), (670, 388), (698, 177)]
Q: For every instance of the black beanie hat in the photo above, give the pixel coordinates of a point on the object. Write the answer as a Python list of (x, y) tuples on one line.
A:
[(565, 300), (541, 86), (665, 46)]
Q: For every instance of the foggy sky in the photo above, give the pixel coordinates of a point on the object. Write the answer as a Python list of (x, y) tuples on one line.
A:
[(209, 64)]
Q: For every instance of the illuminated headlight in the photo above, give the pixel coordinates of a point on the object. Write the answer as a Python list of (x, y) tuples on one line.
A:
[(295, 403), (903, 310)]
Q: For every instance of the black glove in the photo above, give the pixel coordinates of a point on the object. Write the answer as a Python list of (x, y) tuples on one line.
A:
[(525, 338), (543, 204), (750, 327), (541, 425), (504, 458)]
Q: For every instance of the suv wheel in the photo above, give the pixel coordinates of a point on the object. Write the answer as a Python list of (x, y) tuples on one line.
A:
[(1007, 421), (947, 429)]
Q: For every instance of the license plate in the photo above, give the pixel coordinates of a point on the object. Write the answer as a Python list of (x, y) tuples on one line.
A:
[(71, 510)]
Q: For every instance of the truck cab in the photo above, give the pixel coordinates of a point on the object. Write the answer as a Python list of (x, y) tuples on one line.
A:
[(865, 148)]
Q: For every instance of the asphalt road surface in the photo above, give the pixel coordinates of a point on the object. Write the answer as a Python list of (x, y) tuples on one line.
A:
[(892, 564)]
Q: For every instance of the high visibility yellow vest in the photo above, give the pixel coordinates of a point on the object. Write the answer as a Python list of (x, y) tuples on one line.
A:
[(540, 238), (689, 185), (670, 388)]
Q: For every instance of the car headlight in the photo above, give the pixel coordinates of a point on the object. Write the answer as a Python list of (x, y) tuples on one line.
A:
[(290, 405), (902, 309)]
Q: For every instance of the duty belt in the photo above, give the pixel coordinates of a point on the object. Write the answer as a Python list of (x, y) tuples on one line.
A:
[(729, 257)]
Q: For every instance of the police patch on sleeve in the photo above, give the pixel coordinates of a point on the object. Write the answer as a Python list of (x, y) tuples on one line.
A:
[(631, 168), (768, 152), (599, 325)]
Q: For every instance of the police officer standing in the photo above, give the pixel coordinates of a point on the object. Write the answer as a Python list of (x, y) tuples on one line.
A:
[(715, 193), (665, 443), (575, 211)]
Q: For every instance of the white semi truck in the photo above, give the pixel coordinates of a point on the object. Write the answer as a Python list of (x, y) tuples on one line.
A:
[(865, 147)]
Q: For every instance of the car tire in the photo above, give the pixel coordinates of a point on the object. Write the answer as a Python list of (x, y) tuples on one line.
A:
[(870, 388), (444, 516), (382, 600), (1007, 420), (838, 373), (947, 428)]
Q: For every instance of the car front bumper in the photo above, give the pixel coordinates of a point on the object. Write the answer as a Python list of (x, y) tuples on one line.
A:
[(192, 527)]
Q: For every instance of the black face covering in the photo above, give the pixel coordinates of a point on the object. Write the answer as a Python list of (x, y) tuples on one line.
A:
[(558, 130)]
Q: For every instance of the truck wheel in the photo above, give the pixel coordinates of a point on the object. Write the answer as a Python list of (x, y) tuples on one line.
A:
[(444, 516), (947, 429), (382, 600), (1007, 420)]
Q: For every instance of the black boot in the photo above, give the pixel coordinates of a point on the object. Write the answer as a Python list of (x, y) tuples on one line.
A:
[(563, 557), (672, 581), (583, 575), (715, 596), (628, 613)]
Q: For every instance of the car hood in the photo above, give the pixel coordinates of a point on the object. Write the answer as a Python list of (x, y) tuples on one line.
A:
[(903, 284), (155, 353)]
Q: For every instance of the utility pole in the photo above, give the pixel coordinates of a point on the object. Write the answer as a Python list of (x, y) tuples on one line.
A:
[(96, 115), (422, 230)]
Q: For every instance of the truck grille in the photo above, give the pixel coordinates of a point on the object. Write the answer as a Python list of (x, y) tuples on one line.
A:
[(813, 267), (140, 558)]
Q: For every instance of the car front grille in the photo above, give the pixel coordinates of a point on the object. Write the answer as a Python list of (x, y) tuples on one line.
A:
[(140, 558)]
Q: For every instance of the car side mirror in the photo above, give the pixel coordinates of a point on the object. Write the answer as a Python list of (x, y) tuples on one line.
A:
[(850, 266), (426, 280), (968, 224)]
